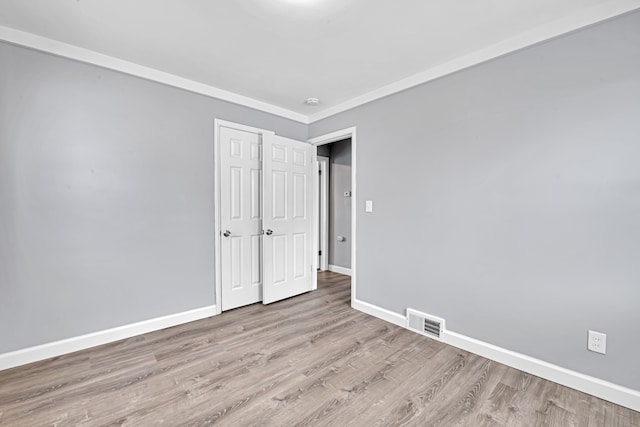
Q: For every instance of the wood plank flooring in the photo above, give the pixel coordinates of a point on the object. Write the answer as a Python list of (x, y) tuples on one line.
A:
[(306, 361)]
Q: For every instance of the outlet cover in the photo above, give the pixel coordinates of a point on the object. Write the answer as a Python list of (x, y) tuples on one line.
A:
[(368, 206), (597, 342)]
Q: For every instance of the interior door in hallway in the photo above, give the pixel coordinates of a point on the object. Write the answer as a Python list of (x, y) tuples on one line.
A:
[(240, 218), (290, 175)]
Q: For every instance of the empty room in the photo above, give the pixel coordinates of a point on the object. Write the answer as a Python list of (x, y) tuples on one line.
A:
[(320, 213)]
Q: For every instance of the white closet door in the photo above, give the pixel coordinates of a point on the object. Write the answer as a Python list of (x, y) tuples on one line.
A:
[(240, 218), (289, 169)]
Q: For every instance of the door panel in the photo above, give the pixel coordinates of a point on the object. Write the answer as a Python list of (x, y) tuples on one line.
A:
[(279, 153), (288, 202), (256, 260), (256, 190), (236, 193), (299, 196), (279, 259), (279, 194), (236, 262), (241, 215), (299, 256)]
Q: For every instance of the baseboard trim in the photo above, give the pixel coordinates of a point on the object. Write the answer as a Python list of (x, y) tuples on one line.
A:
[(380, 313), (58, 348), (602, 389), (341, 270)]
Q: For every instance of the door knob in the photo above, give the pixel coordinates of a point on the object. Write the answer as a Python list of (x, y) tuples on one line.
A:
[(269, 232), (226, 233)]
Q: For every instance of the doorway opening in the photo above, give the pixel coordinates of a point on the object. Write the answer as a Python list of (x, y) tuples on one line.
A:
[(343, 151), (335, 196)]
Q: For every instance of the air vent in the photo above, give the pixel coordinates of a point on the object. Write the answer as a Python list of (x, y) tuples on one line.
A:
[(424, 324)]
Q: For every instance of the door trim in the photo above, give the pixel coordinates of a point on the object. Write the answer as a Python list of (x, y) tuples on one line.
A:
[(323, 197), (217, 124), (327, 139)]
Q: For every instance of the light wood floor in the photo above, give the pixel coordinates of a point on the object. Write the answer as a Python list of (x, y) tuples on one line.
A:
[(309, 360)]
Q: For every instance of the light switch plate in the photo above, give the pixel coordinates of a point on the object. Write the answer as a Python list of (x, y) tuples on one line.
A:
[(368, 206)]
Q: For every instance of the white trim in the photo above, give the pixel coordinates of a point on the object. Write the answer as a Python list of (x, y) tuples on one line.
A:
[(217, 124), (545, 32), (594, 386), (333, 137), (341, 270), (602, 389), (76, 53), (217, 265), (323, 219), (379, 312), (238, 126), (314, 222), (57, 348)]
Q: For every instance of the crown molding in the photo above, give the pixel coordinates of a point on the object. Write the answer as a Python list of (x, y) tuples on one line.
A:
[(545, 32), (54, 47)]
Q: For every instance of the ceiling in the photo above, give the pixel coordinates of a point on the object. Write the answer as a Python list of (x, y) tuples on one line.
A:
[(281, 52)]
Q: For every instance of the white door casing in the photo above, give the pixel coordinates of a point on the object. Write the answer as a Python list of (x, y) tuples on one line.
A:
[(323, 212), (289, 212), (240, 217), (327, 139)]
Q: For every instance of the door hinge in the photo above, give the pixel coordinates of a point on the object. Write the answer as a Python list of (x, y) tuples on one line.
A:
[(319, 171), (319, 252)]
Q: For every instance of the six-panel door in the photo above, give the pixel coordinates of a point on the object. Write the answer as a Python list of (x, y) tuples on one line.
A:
[(266, 217), (240, 217), (288, 168)]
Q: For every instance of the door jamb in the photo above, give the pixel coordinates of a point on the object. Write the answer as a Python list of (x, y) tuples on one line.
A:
[(323, 196), (217, 124), (327, 139)]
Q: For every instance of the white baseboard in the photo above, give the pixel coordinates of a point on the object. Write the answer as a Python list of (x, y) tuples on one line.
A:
[(594, 386), (341, 270), (380, 313), (611, 392), (57, 348)]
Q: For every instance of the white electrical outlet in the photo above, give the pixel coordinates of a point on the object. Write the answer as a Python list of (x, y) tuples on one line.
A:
[(597, 342)]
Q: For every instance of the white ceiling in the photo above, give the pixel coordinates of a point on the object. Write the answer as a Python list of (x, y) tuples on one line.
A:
[(281, 52)]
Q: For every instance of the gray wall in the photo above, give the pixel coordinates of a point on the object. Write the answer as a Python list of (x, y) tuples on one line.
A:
[(324, 150), (507, 199), (506, 196), (106, 197), (340, 206)]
